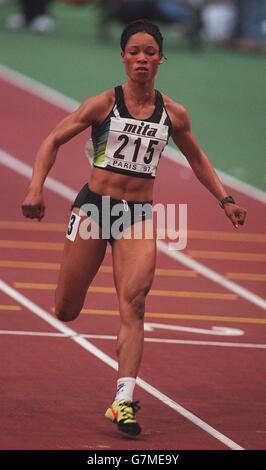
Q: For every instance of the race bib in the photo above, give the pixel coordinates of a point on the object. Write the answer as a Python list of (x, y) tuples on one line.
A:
[(73, 226), (135, 145)]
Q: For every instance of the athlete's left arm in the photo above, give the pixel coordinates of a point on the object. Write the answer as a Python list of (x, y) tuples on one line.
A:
[(200, 164)]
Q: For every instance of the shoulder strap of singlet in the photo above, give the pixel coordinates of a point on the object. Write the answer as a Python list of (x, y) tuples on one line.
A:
[(118, 100), (165, 119), (160, 102), (115, 111)]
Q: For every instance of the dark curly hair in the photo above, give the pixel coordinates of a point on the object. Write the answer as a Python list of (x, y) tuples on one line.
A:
[(142, 26)]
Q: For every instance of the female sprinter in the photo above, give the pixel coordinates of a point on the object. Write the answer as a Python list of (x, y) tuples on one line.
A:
[(131, 125)]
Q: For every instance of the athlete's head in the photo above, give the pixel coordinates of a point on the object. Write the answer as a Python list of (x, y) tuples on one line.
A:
[(142, 50), (142, 26)]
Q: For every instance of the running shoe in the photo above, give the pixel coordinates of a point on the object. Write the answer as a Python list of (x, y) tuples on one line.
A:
[(123, 414)]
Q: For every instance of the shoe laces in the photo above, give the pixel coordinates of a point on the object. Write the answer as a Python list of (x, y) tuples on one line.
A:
[(128, 409)]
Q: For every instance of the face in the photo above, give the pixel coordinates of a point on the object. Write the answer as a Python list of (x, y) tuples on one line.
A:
[(141, 57)]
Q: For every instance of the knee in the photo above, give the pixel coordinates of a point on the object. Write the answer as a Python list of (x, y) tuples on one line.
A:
[(138, 305), (66, 314), (65, 309), (134, 306)]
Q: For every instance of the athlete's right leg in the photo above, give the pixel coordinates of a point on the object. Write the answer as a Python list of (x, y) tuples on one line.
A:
[(81, 261)]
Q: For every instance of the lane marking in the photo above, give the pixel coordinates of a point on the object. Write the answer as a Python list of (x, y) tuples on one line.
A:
[(103, 269), (178, 316), (228, 255), (221, 255), (192, 234), (31, 245), (69, 194), (147, 340), (212, 275), (109, 270), (55, 98), (153, 292), (34, 333), (216, 236), (214, 330), (88, 346), (205, 343), (11, 308), (247, 276), (29, 265), (32, 227), (26, 170), (176, 157), (226, 236), (38, 89)]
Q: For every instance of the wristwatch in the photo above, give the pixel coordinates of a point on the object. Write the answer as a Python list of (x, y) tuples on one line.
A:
[(227, 200)]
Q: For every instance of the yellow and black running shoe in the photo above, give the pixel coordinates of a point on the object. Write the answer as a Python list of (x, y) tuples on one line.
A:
[(123, 414)]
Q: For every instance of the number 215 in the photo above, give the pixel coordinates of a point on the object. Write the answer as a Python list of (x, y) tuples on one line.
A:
[(149, 154)]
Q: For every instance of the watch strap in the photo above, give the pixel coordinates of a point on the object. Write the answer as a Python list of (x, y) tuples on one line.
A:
[(227, 200)]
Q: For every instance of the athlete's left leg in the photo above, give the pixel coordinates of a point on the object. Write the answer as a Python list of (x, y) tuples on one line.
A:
[(133, 266)]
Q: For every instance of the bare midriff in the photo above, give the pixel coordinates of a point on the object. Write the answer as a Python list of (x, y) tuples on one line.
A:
[(121, 186)]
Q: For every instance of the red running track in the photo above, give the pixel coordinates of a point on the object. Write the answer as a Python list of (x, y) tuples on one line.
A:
[(54, 392)]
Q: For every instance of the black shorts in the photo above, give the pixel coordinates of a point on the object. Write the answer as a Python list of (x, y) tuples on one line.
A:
[(112, 215)]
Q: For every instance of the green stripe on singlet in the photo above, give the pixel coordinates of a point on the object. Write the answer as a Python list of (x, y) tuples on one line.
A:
[(100, 156)]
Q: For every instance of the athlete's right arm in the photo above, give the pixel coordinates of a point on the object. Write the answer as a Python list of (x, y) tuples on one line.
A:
[(89, 113)]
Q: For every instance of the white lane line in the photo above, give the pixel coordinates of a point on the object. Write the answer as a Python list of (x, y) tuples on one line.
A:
[(26, 170), (175, 156), (88, 346), (38, 89), (212, 275), (65, 103), (206, 343), (45, 334), (68, 193), (147, 340), (213, 330)]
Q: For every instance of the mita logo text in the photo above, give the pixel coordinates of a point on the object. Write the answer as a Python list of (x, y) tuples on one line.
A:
[(142, 129)]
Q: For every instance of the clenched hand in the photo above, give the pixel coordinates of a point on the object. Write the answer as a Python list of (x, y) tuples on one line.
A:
[(33, 205), (236, 214)]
